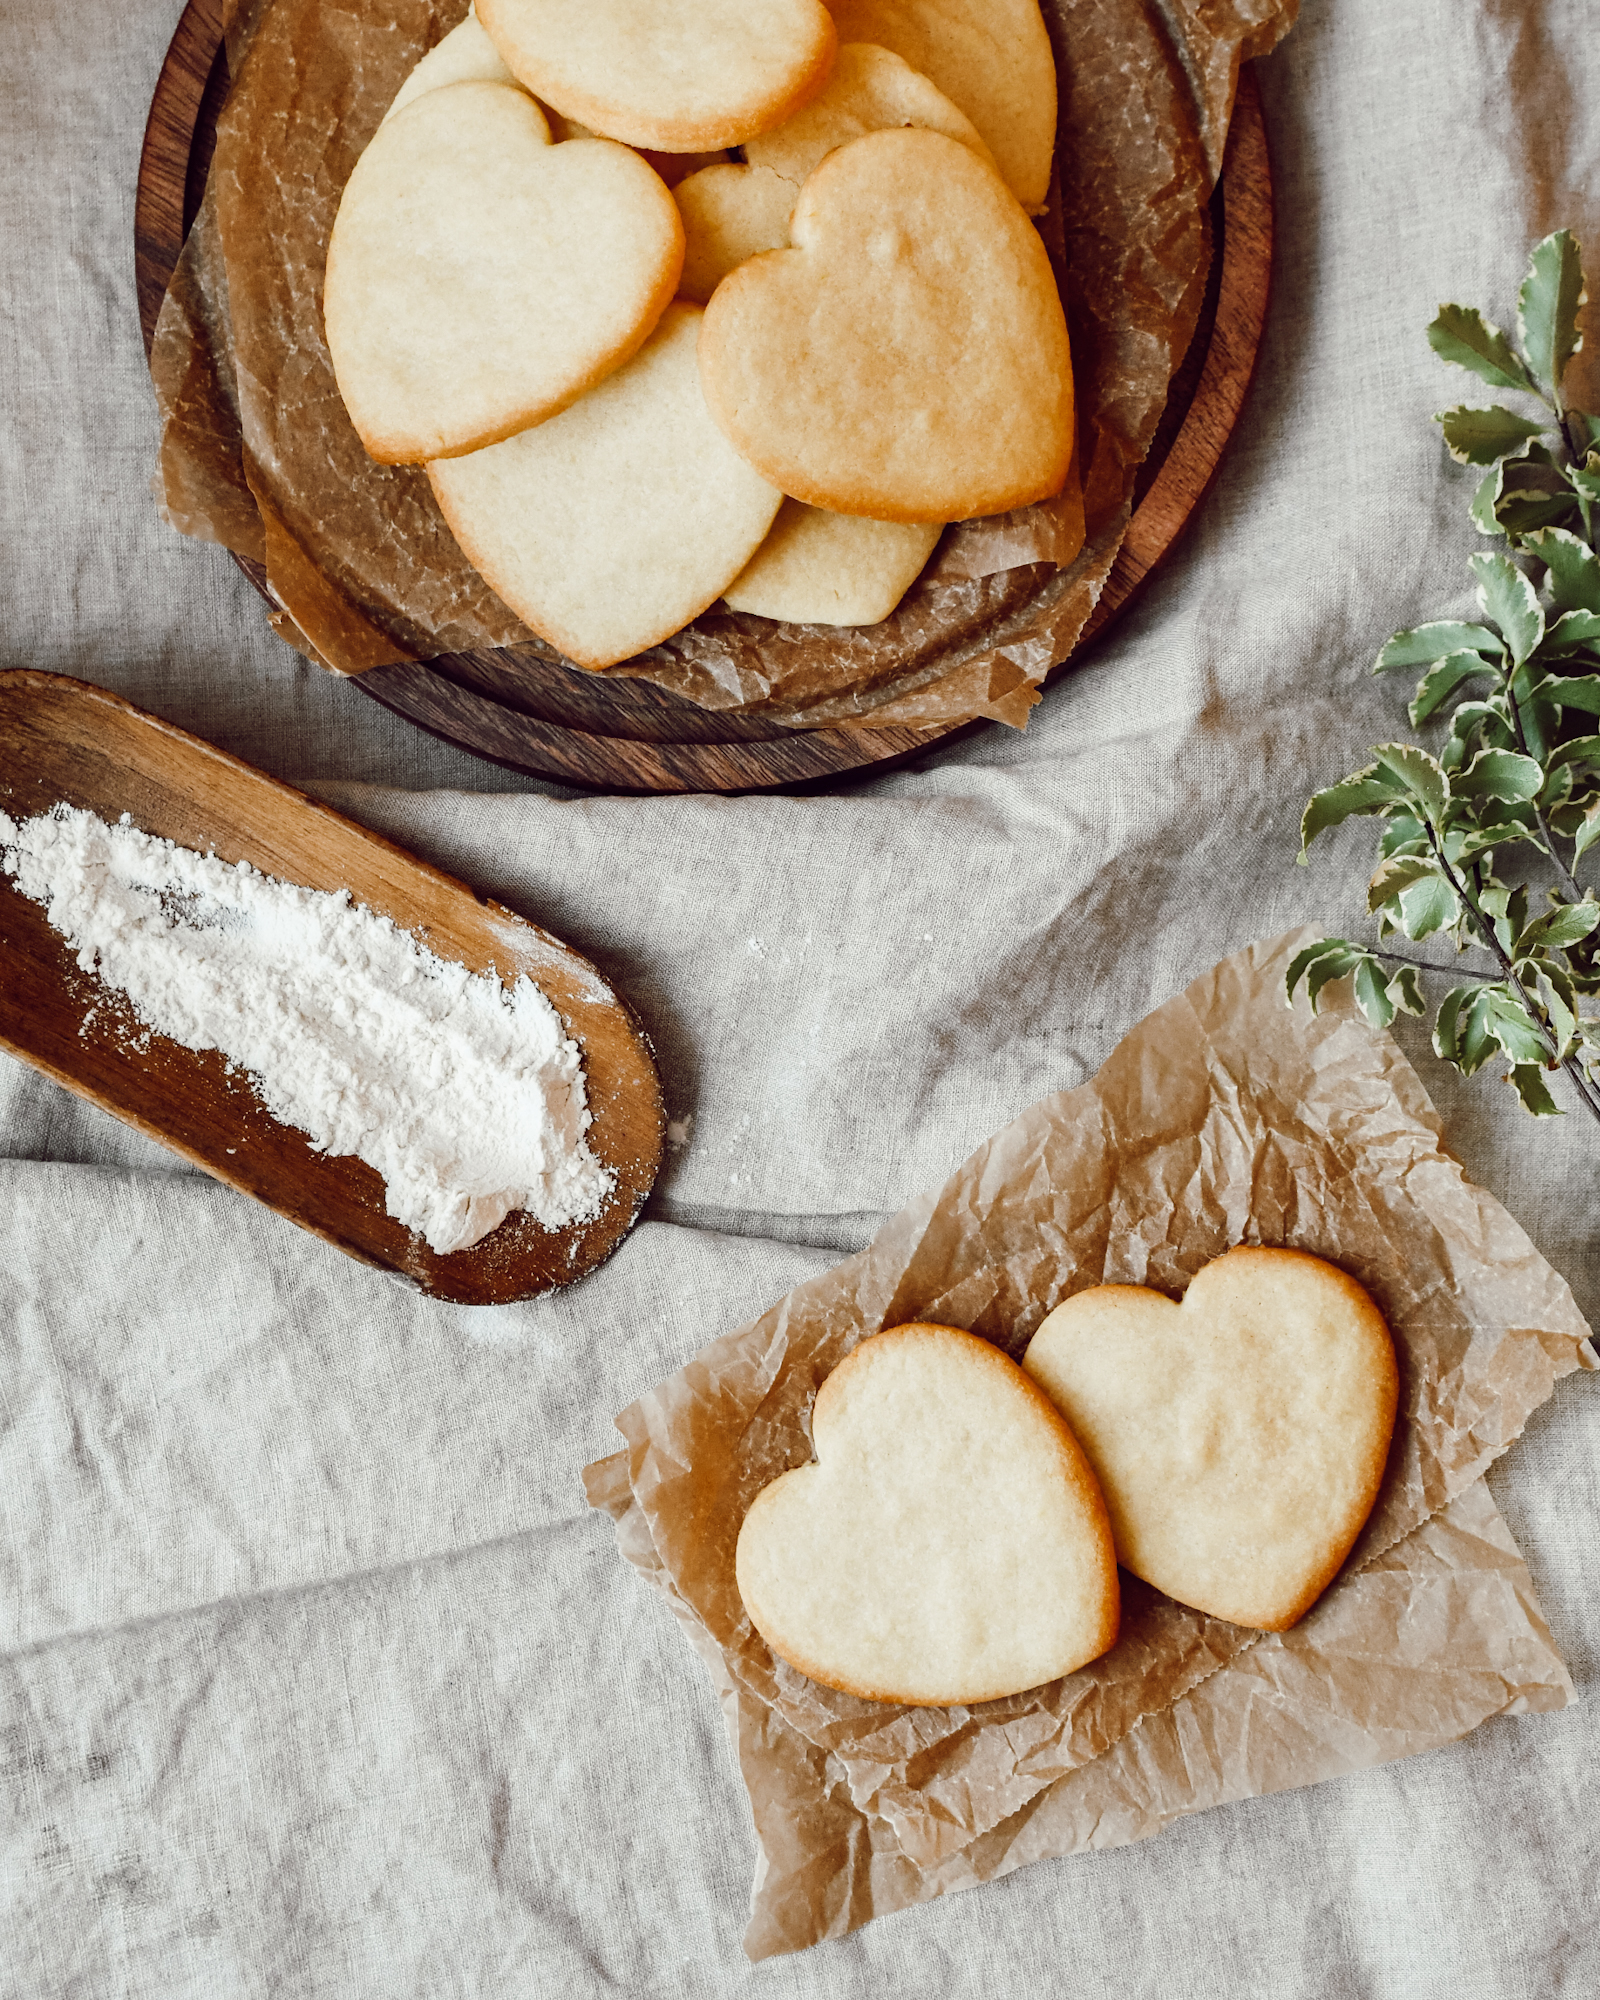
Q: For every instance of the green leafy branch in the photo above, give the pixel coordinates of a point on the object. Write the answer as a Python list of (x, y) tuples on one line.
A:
[(1520, 767)]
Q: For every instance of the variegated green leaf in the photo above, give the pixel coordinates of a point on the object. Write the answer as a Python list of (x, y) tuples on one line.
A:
[(1588, 833), (1522, 514), (1491, 715), (1325, 971), (1534, 473), (1441, 679), (1495, 903), (1405, 990), (1547, 307), (1572, 631), (1566, 925), (1320, 964), (1480, 839), (1508, 599), (1507, 1021), (1586, 477), (1527, 1079), (1566, 818), (1303, 960), (1426, 906), (1420, 774), (1461, 334), (1581, 752), (1510, 926), (1540, 718), (1390, 877), (1560, 980), (1528, 478), (1402, 834), (1372, 994), (1556, 789), (1482, 437), (1486, 499), (1577, 691), (1499, 774), (1447, 1023), (1473, 724), (1424, 644), (1573, 566), (1365, 792), (1556, 1000), (1474, 1043)]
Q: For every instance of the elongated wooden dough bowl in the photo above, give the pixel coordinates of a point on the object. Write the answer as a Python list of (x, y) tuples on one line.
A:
[(63, 742)]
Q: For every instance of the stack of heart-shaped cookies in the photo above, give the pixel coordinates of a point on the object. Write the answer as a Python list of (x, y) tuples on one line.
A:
[(957, 1536), (645, 372)]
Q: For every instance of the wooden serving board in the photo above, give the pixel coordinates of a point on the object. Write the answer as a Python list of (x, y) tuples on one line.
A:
[(63, 742), (519, 709)]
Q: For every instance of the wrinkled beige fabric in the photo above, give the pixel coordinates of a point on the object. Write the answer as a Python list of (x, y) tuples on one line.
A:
[(308, 1633)]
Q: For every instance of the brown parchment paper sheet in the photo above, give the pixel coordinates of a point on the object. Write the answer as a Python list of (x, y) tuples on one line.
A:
[(1223, 1118), (258, 454)]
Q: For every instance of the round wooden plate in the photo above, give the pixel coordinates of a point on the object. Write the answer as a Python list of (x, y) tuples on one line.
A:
[(519, 709)]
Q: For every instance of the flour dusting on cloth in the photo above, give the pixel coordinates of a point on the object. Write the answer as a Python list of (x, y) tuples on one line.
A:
[(467, 1097)]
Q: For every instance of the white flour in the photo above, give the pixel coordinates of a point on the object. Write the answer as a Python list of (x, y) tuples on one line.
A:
[(467, 1098)]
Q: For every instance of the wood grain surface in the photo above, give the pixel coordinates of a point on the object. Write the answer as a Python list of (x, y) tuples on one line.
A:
[(1186, 454), (517, 708), (61, 741)]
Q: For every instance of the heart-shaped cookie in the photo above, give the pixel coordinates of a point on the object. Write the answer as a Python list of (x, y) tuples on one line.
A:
[(948, 1545), (907, 359), (831, 569), (991, 57), (612, 525), (1239, 1437), (870, 90), (731, 214), (679, 75), (465, 55), (480, 278)]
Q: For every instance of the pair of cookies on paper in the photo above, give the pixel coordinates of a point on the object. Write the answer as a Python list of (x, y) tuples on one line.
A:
[(951, 1542)]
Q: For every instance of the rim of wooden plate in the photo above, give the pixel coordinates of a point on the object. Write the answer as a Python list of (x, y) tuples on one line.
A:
[(632, 736)]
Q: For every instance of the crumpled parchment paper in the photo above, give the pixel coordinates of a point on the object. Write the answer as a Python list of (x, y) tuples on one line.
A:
[(257, 452), (1223, 1118)]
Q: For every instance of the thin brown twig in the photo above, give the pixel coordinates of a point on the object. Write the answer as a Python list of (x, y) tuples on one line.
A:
[(1422, 964)]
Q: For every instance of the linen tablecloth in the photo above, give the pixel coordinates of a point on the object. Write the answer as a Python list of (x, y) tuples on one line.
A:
[(317, 1676)]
